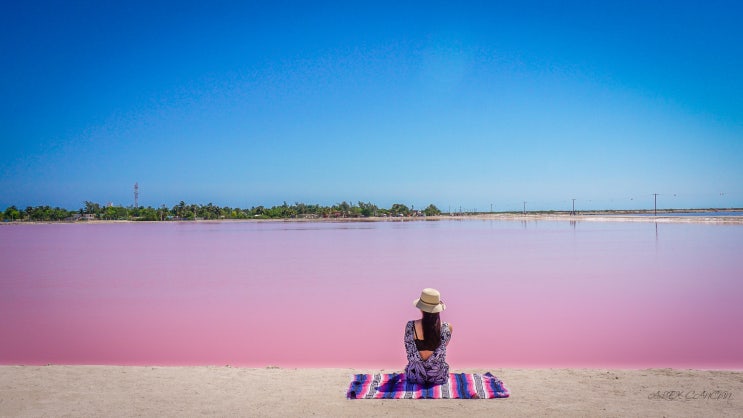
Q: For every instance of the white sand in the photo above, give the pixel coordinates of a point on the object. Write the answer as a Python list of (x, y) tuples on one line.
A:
[(227, 391)]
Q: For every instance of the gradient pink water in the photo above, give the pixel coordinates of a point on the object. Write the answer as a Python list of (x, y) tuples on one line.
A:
[(537, 294)]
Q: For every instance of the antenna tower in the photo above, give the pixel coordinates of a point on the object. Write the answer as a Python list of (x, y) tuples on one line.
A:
[(136, 195)]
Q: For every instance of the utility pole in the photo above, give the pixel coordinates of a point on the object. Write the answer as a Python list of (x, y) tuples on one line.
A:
[(573, 207), (491, 208), (524, 208), (655, 204)]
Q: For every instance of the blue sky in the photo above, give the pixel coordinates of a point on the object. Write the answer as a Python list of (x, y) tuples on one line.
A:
[(458, 104)]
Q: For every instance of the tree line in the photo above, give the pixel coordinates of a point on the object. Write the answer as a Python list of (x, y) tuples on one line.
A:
[(184, 211)]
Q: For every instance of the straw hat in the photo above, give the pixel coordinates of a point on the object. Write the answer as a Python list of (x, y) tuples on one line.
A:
[(430, 301)]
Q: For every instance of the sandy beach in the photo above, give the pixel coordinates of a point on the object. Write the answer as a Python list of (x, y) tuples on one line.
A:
[(228, 391)]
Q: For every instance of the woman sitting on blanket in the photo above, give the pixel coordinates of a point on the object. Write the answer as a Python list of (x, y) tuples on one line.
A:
[(426, 340)]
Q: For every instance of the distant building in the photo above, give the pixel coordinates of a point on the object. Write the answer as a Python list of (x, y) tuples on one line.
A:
[(83, 217)]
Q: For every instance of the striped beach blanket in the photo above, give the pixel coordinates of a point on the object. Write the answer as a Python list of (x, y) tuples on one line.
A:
[(394, 386)]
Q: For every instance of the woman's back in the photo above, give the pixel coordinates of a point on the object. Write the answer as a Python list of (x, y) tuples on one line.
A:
[(426, 366)]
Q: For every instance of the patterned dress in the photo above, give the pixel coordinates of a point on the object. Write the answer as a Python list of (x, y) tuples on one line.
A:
[(432, 371)]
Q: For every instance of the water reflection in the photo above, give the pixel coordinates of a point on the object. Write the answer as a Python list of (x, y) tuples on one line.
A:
[(656, 234)]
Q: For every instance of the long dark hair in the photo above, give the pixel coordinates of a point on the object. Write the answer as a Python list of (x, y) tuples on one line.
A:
[(431, 324)]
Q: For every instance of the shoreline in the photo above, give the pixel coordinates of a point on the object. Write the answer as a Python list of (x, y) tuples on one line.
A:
[(709, 217), (272, 391)]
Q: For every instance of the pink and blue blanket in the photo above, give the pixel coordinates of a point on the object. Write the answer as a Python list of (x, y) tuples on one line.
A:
[(394, 386)]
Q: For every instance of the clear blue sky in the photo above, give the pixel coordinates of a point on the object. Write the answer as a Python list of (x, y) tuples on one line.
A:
[(457, 104)]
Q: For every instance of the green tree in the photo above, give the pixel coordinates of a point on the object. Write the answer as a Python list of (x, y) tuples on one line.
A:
[(109, 213), (398, 209), (147, 214), (163, 212), (368, 209), (344, 208), (431, 210), (179, 210), (11, 213), (92, 208), (59, 214)]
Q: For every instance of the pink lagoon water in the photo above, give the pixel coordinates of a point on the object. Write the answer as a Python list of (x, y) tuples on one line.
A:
[(520, 294)]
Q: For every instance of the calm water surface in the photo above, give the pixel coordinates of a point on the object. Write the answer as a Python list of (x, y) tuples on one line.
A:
[(534, 294)]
